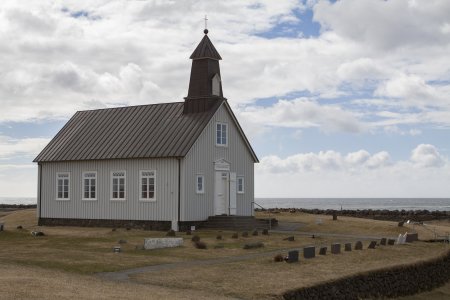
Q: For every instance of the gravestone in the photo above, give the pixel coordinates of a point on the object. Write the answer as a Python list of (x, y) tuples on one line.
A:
[(400, 224), (400, 239), (335, 248), (358, 245), (157, 243), (348, 247), (372, 245), (292, 256), (323, 251), (309, 252), (383, 241), (411, 237), (289, 238), (117, 249), (334, 216), (1, 226), (391, 242)]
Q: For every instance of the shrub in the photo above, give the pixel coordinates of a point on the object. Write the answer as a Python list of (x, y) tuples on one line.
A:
[(122, 241), (195, 238), (255, 232), (171, 232), (114, 229), (19, 227), (188, 232), (128, 228), (219, 237), (253, 245), (219, 246), (278, 258), (265, 232), (200, 245), (235, 235), (245, 234)]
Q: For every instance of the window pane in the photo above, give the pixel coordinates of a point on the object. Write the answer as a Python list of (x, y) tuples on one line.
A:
[(151, 195), (144, 195), (66, 195), (86, 194), (144, 188), (122, 195), (86, 183), (59, 194), (144, 181), (151, 188)]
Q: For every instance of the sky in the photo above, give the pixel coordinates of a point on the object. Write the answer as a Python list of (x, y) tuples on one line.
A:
[(342, 98)]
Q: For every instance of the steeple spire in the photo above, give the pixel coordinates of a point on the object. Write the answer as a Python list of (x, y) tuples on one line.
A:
[(205, 85)]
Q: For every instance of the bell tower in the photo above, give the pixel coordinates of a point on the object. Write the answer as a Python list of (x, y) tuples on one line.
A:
[(205, 85)]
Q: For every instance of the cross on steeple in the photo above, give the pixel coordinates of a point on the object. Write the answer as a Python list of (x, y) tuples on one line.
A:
[(206, 25)]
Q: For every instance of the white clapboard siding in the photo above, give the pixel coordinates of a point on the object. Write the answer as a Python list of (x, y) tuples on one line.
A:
[(200, 160), (165, 208)]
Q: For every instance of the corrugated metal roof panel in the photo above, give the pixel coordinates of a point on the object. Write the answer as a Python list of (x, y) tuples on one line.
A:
[(158, 130)]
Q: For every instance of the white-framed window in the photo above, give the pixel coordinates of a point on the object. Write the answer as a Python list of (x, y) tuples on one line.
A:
[(221, 134), (240, 184), (200, 184), (118, 185), (63, 186), (89, 185), (147, 185)]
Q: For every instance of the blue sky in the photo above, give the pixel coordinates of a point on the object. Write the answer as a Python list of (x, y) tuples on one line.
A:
[(339, 98)]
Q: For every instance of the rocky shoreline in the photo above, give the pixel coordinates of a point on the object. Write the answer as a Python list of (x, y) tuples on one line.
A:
[(375, 214)]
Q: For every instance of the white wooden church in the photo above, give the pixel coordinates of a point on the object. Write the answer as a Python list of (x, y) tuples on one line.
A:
[(156, 166)]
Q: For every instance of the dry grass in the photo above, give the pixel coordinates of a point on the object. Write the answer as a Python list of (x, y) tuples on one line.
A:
[(89, 250), (263, 278), (21, 282), (359, 226)]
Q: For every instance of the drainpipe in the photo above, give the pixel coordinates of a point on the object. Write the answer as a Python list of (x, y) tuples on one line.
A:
[(40, 191), (179, 192)]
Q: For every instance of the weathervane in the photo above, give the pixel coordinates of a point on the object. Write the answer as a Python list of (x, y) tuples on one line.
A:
[(206, 25)]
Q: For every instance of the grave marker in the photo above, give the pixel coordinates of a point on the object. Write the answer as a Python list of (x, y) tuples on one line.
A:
[(309, 252), (335, 248), (372, 245), (391, 242), (292, 256), (358, 245), (323, 251), (348, 247), (383, 241)]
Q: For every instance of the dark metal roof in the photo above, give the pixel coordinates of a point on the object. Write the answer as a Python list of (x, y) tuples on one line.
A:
[(205, 50), (158, 130)]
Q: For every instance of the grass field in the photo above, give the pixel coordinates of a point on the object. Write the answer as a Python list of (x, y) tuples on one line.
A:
[(35, 267)]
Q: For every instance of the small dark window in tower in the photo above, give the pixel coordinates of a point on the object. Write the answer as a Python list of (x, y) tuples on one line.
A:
[(216, 85)]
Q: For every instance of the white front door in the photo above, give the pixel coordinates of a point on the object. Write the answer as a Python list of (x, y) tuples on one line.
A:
[(221, 197)]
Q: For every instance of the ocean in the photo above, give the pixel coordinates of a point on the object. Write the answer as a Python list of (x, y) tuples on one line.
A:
[(431, 204), (442, 204)]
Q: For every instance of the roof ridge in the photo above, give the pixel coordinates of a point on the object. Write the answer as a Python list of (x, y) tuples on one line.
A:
[(129, 106)]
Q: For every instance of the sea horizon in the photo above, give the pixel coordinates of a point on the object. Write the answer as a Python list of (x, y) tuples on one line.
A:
[(389, 203)]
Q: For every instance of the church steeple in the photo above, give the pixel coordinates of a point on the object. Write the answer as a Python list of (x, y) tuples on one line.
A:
[(205, 85)]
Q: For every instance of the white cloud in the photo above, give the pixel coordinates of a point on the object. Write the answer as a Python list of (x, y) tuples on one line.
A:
[(303, 113), (356, 174), (387, 24), (426, 155), (27, 147)]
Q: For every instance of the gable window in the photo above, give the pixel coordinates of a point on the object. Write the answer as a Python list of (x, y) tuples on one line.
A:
[(89, 185), (147, 186), (118, 183), (221, 134), (240, 185), (200, 184), (62, 186)]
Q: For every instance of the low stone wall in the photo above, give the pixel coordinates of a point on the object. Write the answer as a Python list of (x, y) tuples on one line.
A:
[(137, 224), (376, 214), (385, 283)]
